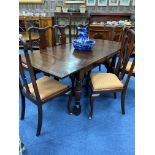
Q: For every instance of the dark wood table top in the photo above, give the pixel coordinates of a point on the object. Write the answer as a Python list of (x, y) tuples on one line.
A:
[(63, 60)]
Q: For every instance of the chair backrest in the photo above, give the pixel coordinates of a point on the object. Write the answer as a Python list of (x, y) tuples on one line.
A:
[(43, 37), (127, 47), (60, 34), (31, 22), (118, 33), (23, 78), (42, 44)]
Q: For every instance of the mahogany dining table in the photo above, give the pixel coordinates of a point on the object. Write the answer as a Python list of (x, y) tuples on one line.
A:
[(62, 61)]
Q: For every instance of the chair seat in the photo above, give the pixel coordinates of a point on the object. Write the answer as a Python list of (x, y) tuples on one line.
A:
[(102, 81), (48, 87), (129, 66)]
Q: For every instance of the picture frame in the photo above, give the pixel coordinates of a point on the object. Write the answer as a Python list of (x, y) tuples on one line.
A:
[(102, 2), (31, 1), (91, 2), (75, 1), (113, 2), (58, 9), (124, 2)]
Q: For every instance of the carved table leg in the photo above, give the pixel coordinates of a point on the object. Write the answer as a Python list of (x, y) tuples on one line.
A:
[(77, 106)]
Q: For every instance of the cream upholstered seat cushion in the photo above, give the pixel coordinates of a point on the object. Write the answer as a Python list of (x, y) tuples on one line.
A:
[(129, 66), (48, 87), (105, 81)]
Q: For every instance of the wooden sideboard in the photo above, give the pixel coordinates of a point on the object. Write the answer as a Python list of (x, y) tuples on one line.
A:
[(99, 28), (27, 21), (103, 17)]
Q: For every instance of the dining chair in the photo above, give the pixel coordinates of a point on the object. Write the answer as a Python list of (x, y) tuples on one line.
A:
[(128, 66), (112, 82), (118, 33), (112, 33), (24, 25), (58, 38), (43, 42), (129, 62), (21, 48), (38, 91)]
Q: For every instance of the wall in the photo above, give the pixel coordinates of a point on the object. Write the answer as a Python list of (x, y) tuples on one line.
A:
[(48, 7)]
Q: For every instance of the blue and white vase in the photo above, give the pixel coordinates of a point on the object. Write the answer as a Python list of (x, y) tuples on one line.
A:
[(82, 43)]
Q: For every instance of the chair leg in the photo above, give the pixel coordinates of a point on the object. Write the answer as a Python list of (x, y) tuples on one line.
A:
[(35, 76), (91, 107), (123, 101), (39, 120), (115, 95), (99, 67), (35, 73), (55, 78), (23, 107), (123, 76), (112, 64), (69, 103), (107, 66), (87, 83)]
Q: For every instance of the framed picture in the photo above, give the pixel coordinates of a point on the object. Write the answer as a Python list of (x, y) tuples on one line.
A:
[(113, 2), (31, 1), (124, 2), (91, 2), (133, 2), (58, 9), (75, 1), (102, 2)]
